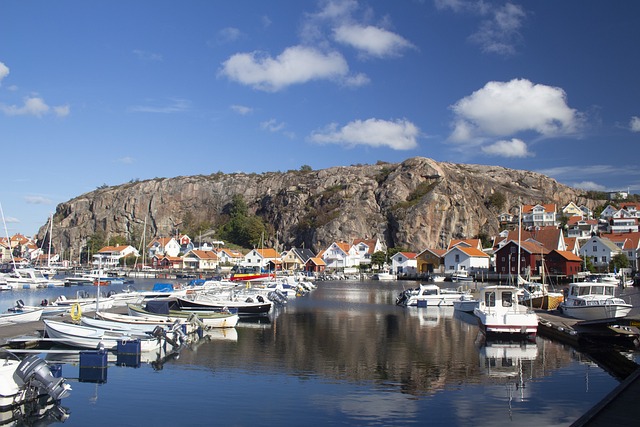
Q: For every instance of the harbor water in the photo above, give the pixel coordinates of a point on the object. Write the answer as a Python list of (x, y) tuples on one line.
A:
[(344, 354)]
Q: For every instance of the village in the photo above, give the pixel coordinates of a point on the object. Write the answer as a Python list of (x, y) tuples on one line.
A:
[(561, 250)]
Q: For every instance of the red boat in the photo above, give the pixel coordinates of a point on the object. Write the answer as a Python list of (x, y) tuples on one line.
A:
[(244, 274)]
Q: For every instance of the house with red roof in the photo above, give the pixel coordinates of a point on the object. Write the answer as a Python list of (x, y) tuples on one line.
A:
[(261, 258), (404, 263), (430, 261), (563, 263), (110, 256), (200, 260), (163, 246), (361, 250), (337, 256), (539, 215), (580, 228), (465, 258), (531, 254), (629, 243)]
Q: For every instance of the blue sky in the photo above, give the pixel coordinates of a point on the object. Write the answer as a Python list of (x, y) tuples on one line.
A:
[(105, 92)]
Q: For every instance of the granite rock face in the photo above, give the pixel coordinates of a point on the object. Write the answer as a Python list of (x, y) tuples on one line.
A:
[(415, 204)]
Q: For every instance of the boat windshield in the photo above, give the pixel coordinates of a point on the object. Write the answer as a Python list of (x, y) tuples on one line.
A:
[(507, 299), (490, 299)]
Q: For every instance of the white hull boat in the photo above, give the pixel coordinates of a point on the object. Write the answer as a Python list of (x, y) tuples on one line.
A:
[(594, 301), (466, 304), (429, 295), (22, 381), (22, 316), (92, 338), (208, 319), (500, 315)]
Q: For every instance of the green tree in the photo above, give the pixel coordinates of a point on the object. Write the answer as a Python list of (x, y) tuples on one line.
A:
[(378, 258), (496, 200), (619, 261), (242, 229), (306, 168)]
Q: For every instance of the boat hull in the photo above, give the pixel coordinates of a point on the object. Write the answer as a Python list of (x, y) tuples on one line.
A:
[(243, 308), (597, 312)]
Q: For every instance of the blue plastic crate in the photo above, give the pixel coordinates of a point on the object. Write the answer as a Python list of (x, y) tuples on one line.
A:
[(93, 366), (422, 303)]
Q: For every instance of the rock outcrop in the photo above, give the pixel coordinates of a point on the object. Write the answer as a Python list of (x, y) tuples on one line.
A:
[(415, 204)]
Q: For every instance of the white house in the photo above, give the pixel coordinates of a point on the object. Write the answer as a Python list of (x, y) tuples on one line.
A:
[(200, 260), (467, 258), (228, 256), (629, 243), (404, 263), (539, 215), (261, 257), (362, 249), (110, 256), (608, 212), (337, 256), (168, 246), (580, 228), (601, 250)]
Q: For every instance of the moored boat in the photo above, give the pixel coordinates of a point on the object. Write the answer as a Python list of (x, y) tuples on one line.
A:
[(203, 302), (429, 295), (21, 316), (499, 313), (594, 301), (160, 309)]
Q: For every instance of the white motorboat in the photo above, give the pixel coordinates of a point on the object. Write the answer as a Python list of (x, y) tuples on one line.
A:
[(92, 338), (21, 316), (26, 380), (499, 313), (429, 295), (160, 309), (461, 276), (466, 304), (384, 275), (249, 306), (147, 322), (594, 301), (30, 278)]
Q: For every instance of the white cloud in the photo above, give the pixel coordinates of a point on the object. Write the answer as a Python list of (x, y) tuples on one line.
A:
[(506, 108), (147, 56), (37, 200), (272, 125), (11, 219), (503, 148), (500, 34), (127, 160), (62, 110), (295, 65), (398, 134), (229, 34), (176, 106), (634, 124), (241, 109), (4, 71), (33, 106), (372, 40), (589, 185)]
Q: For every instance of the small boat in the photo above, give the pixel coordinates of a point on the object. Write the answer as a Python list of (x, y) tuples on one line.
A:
[(429, 295), (47, 310), (27, 380), (21, 316), (538, 295), (594, 301), (92, 338), (147, 322), (247, 307), (466, 304), (461, 276), (500, 315), (30, 278), (160, 309), (384, 275)]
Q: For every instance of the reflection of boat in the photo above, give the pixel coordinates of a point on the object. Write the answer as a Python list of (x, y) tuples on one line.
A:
[(500, 314), (428, 295), (433, 315), (27, 380), (593, 301), (502, 359)]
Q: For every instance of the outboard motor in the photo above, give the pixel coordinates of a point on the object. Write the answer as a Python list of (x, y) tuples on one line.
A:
[(35, 371), (19, 303)]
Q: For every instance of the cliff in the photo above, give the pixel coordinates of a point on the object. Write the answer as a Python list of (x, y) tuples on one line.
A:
[(415, 204)]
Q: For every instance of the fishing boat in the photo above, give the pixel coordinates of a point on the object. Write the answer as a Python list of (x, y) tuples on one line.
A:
[(594, 301), (21, 316), (160, 309), (91, 337), (500, 315), (429, 295), (27, 380)]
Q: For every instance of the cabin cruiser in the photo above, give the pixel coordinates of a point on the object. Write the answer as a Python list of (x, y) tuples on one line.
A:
[(429, 295), (499, 313), (594, 301)]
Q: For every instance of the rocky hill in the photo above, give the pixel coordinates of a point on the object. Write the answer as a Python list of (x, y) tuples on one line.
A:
[(415, 204)]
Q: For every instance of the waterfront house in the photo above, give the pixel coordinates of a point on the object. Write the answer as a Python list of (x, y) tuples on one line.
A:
[(166, 262), (336, 256), (261, 258), (465, 258), (362, 249), (228, 256), (163, 246), (404, 263), (601, 250), (539, 216), (110, 256), (430, 261), (550, 237), (315, 265), (562, 263), (531, 256), (200, 260), (296, 258)]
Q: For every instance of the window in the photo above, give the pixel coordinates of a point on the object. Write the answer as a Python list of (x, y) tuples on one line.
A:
[(595, 248), (490, 299), (507, 299), (457, 258)]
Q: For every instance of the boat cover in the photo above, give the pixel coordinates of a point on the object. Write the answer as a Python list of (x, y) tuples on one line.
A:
[(158, 307), (163, 287)]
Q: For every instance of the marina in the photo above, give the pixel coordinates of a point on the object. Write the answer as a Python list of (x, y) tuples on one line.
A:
[(344, 354)]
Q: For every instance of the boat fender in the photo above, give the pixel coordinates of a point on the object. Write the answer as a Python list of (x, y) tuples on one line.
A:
[(249, 299), (260, 299), (76, 312)]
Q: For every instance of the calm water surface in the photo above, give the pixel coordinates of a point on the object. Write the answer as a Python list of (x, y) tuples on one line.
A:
[(342, 355)]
